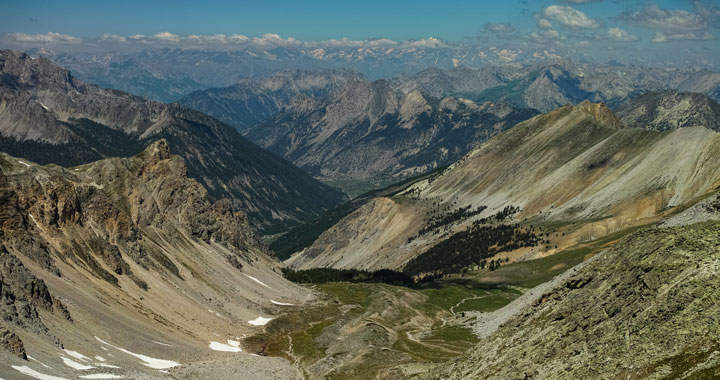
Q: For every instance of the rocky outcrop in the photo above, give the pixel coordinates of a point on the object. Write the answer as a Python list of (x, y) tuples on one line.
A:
[(48, 116), (666, 111)]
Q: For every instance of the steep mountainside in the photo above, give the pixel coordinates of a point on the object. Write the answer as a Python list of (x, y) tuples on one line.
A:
[(547, 85), (664, 111), (645, 309), (367, 130), (575, 167), (106, 266), (48, 116), (250, 102)]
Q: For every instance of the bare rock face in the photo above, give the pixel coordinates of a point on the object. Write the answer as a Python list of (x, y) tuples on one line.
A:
[(666, 111), (47, 116), (370, 130), (10, 342)]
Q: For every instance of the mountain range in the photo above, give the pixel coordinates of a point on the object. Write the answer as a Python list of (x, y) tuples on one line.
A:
[(48, 116), (169, 74), (340, 126)]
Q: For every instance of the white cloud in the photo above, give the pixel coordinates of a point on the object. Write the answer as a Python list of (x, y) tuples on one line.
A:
[(166, 36), (584, 44), (274, 40), (495, 27), (543, 23), (693, 36), (112, 38), (49, 37), (672, 20), (569, 17), (620, 35), (548, 34), (428, 43)]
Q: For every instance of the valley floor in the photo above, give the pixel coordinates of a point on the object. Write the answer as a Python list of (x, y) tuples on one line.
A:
[(365, 331)]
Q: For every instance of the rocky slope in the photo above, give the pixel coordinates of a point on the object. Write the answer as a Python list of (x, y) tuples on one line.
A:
[(367, 130), (250, 102), (670, 110), (644, 309), (47, 116), (123, 267), (574, 166)]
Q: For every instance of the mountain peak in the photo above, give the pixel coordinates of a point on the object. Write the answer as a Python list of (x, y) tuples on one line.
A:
[(159, 150), (600, 112), (33, 71)]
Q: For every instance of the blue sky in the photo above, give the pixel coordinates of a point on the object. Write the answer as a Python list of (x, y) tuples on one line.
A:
[(306, 20), (652, 30)]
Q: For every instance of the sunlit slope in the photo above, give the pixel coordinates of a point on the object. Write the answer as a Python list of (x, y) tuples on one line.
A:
[(576, 166)]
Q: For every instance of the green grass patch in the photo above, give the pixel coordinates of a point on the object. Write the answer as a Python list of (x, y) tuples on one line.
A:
[(494, 301)]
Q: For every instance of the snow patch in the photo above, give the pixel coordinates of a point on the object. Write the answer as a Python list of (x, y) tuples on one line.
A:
[(99, 358), (258, 281), (44, 106), (25, 370), (260, 321), (162, 344), (281, 303), (101, 376), (24, 163), (76, 354), (233, 343), (75, 365), (148, 361), (217, 346), (103, 365), (37, 361)]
